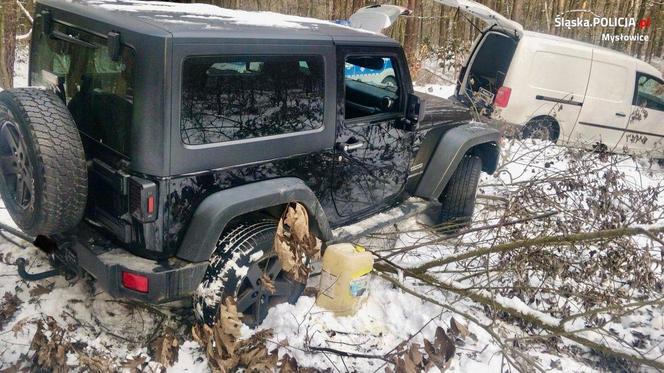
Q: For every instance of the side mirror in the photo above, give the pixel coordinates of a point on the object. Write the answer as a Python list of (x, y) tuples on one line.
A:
[(414, 108)]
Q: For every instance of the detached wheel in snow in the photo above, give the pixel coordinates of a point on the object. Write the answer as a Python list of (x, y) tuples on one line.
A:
[(243, 258), (43, 176), (458, 197)]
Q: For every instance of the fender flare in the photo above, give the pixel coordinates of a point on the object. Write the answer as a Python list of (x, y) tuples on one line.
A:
[(476, 138), (218, 209)]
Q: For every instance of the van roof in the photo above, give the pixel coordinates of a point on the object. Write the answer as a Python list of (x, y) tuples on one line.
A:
[(640, 65), (204, 21)]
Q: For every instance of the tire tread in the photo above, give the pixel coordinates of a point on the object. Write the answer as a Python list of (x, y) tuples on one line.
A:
[(60, 157)]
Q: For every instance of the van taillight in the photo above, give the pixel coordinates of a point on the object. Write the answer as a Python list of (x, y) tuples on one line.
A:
[(502, 96)]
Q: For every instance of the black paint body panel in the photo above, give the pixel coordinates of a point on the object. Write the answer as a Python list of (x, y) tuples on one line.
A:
[(342, 187)]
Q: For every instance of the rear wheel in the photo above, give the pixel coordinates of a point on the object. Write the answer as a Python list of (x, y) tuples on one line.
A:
[(43, 175), (245, 266), (458, 198), (543, 128)]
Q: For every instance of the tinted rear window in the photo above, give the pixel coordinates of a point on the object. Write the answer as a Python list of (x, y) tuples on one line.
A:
[(98, 90), (243, 97)]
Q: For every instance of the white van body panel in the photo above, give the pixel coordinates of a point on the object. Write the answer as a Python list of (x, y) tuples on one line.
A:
[(547, 78), (589, 91), (607, 102), (645, 130)]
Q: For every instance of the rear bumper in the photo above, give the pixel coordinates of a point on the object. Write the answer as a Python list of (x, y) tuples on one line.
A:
[(167, 280)]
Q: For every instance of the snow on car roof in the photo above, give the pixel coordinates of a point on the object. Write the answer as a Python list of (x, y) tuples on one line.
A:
[(204, 20), (162, 11)]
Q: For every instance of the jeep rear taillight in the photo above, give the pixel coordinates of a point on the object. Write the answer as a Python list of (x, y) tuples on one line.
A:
[(502, 97), (142, 199), (135, 282), (151, 204)]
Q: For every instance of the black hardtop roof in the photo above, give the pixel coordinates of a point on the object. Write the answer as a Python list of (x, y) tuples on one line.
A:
[(203, 21)]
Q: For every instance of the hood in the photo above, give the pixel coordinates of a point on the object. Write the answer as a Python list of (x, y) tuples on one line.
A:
[(440, 111)]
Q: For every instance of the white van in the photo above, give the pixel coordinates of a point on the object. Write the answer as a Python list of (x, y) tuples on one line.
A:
[(578, 93)]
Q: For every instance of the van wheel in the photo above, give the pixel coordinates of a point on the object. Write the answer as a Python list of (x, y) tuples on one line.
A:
[(458, 198), (43, 175), (243, 257), (542, 128)]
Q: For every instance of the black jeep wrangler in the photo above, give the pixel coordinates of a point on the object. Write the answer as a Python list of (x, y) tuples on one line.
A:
[(161, 143)]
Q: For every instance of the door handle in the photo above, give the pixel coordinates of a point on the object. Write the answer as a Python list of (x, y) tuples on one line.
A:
[(346, 147), (619, 114)]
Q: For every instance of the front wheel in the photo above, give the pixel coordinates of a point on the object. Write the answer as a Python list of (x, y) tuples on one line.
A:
[(245, 266), (458, 198)]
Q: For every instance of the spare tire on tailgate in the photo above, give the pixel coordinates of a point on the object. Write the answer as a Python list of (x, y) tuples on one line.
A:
[(43, 175)]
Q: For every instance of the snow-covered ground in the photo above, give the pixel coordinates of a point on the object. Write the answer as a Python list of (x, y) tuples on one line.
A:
[(444, 91), (533, 178)]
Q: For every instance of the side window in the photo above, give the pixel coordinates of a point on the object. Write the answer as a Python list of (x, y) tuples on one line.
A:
[(236, 98), (371, 85), (98, 90), (649, 92)]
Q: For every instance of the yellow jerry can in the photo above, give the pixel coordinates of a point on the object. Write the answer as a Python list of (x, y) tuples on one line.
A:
[(344, 279)]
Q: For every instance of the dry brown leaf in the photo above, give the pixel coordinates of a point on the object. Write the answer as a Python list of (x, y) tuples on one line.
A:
[(288, 364), (8, 307), (134, 364), (294, 243), (441, 351), (267, 283), (298, 221), (224, 350), (165, 348), (406, 365), (20, 325), (50, 352), (39, 290), (254, 354), (95, 364), (458, 328), (415, 354), (282, 246), (12, 368), (229, 320)]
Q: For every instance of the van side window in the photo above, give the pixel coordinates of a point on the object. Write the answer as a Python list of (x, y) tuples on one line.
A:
[(371, 85), (98, 90), (649, 92), (236, 98)]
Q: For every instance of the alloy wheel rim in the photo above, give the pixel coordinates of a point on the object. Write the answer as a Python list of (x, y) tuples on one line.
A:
[(15, 166), (254, 299)]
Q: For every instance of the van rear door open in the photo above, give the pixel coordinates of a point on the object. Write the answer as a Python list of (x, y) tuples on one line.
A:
[(608, 101), (486, 14)]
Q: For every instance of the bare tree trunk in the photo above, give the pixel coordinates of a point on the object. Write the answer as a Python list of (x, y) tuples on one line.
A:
[(411, 39), (8, 23)]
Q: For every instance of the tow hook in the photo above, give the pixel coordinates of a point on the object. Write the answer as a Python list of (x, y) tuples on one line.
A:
[(21, 263), (62, 259)]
